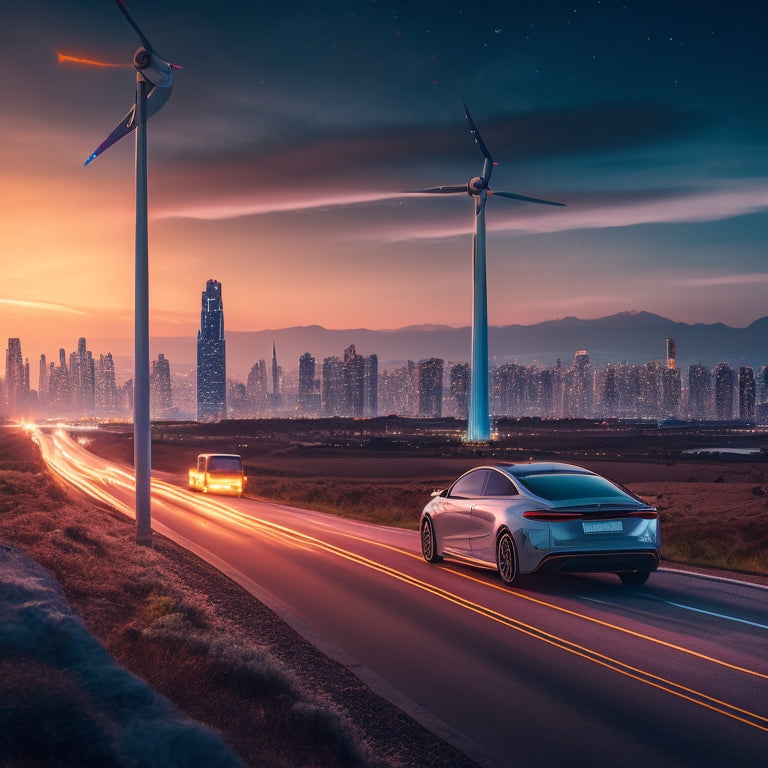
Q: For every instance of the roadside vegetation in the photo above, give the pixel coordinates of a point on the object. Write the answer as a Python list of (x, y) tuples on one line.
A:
[(189, 632)]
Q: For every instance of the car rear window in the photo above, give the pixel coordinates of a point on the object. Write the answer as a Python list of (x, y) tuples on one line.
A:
[(225, 464), (561, 487)]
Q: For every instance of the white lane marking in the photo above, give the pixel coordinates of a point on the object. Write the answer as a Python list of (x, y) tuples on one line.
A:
[(712, 613), (678, 605), (712, 577)]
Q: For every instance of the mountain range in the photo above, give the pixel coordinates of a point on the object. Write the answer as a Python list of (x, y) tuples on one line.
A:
[(632, 337)]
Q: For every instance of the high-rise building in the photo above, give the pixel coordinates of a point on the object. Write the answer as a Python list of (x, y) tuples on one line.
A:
[(353, 371), (431, 388), (211, 356), (578, 396), (724, 392), (460, 382), (671, 393), (82, 373), (42, 382), (372, 386), (256, 391), (671, 354), (15, 390), (699, 384), (276, 396), (106, 390), (59, 389), (309, 386), (333, 387), (160, 401), (400, 391), (746, 394)]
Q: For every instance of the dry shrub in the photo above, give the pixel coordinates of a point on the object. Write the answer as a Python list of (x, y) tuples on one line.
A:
[(139, 605)]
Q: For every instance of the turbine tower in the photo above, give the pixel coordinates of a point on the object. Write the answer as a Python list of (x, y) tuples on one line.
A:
[(478, 425), (154, 81)]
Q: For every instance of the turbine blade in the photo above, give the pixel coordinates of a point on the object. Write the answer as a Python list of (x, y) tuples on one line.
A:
[(123, 128), (155, 100), (513, 196), (134, 26), (476, 134), (445, 190)]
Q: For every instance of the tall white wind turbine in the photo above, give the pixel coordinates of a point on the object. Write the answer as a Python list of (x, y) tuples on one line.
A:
[(478, 424), (154, 81)]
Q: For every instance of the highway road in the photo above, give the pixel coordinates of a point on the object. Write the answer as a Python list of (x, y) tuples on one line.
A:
[(560, 671)]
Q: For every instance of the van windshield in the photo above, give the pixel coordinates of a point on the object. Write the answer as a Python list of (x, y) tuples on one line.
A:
[(232, 464)]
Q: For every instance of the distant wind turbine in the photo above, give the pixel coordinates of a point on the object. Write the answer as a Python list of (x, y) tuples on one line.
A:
[(154, 81), (478, 425)]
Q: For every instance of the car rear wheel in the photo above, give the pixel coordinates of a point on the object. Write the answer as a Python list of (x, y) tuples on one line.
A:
[(506, 558), (634, 578), (428, 542)]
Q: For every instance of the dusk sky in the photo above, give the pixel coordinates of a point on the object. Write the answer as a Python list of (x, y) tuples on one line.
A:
[(278, 164)]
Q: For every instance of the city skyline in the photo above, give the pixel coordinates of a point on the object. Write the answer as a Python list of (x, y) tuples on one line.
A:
[(644, 118), (355, 387)]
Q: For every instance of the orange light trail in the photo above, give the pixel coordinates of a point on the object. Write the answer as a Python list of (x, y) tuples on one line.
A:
[(93, 479), (63, 57)]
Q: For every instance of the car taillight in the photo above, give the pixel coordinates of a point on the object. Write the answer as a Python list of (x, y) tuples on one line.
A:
[(547, 516), (645, 514)]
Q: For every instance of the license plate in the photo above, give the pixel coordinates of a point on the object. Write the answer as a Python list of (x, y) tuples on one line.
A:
[(600, 526)]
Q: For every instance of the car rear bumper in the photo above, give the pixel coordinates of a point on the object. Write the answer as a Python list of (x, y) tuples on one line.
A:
[(599, 562)]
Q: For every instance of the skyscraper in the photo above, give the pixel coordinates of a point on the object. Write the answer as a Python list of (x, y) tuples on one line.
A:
[(724, 391), (276, 397), (256, 389), (309, 387), (372, 386), (82, 374), (14, 378), (747, 389), (699, 384), (460, 381), (211, 356), (671, 354), (160, 387), (106, 390), (431, 388), (353, 371), (333, 387)]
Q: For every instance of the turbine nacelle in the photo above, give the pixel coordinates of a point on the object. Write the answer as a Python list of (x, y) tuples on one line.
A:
[(152, 68), (476, 186)]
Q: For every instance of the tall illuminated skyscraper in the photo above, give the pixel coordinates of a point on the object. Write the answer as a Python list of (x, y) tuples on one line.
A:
[(211, 357), (671, 354), (14, 378)]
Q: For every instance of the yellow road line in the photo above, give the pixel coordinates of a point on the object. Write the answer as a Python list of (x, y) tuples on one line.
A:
[(689, 694)]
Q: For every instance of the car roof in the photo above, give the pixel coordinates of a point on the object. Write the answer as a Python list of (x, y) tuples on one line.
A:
[(542, 468)]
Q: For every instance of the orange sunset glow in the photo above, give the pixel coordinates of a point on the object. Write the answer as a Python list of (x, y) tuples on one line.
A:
[(278, 167)]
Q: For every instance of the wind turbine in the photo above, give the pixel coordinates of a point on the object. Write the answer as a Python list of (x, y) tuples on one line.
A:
[(154, 81), (478, 424)]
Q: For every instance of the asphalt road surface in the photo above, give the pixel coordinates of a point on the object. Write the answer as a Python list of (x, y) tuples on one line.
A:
[(560, 671)]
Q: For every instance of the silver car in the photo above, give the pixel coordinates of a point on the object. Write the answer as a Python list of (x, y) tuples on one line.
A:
[(542, 517)]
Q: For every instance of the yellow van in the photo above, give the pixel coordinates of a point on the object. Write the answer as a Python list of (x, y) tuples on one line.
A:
[(218, 473)]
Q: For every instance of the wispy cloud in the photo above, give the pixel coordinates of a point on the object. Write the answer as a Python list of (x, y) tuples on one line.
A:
[(746, 278), (604, 211), (41, 305)]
